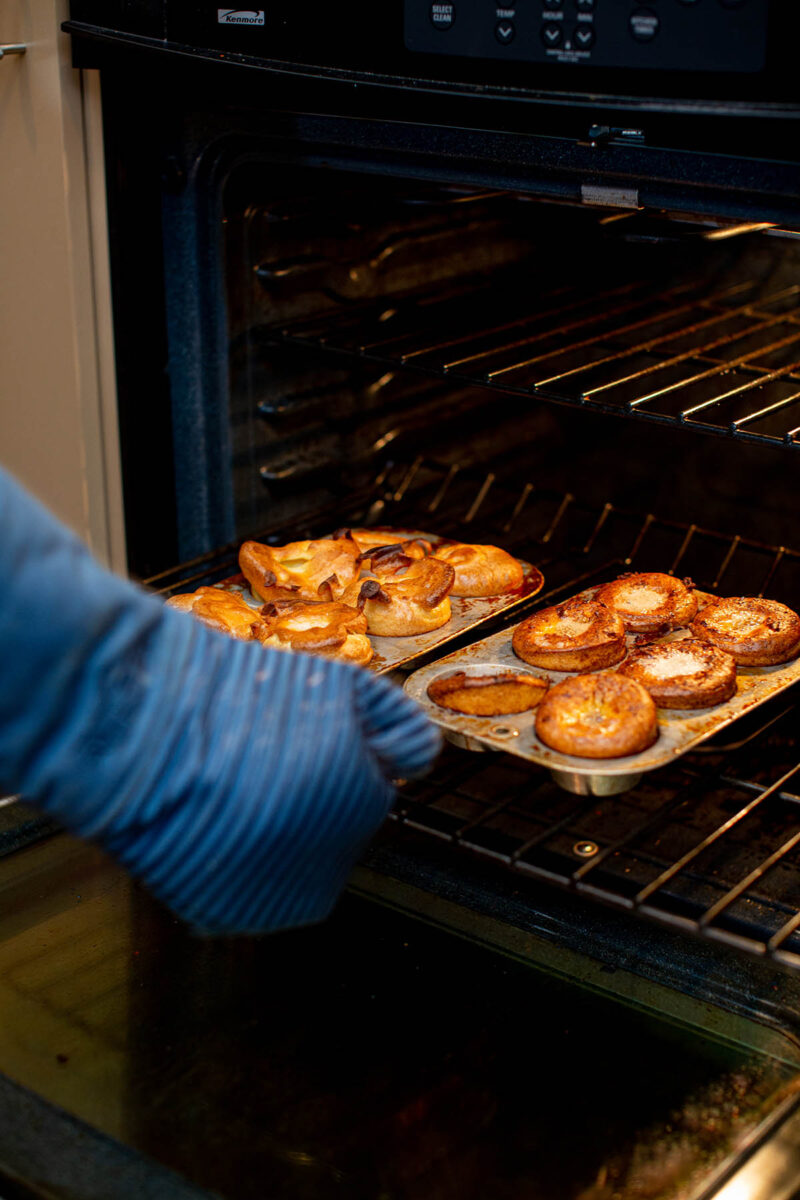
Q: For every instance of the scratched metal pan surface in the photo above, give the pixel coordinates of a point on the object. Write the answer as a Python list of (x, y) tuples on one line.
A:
[(467, 612), (680, 730)]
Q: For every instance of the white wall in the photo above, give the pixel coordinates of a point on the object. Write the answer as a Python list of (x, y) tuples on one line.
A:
[(58, 430)]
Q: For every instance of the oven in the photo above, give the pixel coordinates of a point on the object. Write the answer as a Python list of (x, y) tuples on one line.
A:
[(524, 274)]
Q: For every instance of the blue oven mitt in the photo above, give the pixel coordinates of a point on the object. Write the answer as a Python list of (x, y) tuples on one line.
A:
[(239, 783)]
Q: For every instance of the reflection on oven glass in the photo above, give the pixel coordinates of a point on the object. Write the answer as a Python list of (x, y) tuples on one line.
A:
[(375, 1056)]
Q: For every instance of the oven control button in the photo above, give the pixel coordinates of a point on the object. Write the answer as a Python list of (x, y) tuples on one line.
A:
[(584, 5), (583, 37), (552, 35), (505, 32), (442, 15), (553, 3), (644, 24)]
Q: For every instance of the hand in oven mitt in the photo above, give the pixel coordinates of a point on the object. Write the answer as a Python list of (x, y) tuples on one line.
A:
[(239, 783)]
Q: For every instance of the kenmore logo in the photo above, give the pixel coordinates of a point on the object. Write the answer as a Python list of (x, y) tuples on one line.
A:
[(239, 16)]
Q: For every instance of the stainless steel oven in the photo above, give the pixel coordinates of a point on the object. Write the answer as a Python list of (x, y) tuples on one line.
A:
[(525, 274)]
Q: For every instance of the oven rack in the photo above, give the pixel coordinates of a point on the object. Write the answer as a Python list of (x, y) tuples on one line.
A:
[(718, 356), (696, 849), (711, 847)]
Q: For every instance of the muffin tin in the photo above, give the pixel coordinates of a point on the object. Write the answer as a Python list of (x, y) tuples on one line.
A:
[(680, 730)]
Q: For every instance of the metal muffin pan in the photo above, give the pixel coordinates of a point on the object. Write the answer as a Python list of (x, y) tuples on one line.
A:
[(468, 612), (680, 730)]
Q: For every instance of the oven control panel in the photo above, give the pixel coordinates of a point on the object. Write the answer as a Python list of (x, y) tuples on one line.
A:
[(673, 35)]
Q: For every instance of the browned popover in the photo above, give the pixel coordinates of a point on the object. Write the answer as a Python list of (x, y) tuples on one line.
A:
[(580, 635), (650, 601), (403, 596), (224, 611), (329, 628), (488, 695), (481, 570), (684, 674), (311, 570), (757, 633), (597, 716)]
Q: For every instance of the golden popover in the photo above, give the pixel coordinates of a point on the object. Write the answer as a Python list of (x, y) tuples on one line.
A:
[(329, 628), (684, 674), (597, 716), (757, 633), (311, 570), (650, 601), (580, 635), (403, 596), (489, 695), (481, 570), (369, 540), (224, 611)]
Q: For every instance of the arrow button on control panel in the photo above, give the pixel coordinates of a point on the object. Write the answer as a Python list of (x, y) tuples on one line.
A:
[(505, 32), (584, 37), (552, 35)]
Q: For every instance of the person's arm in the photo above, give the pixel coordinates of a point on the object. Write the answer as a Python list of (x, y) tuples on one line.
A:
[(240, 783)]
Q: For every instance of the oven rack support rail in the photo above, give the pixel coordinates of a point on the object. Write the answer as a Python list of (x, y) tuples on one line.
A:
[(711, 847), (722, 360)]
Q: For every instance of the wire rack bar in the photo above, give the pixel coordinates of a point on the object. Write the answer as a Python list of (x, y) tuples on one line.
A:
[(682, 796), (751, 383), (577, 334), (710, 839), (755, 875), (529, 319), (674, 359), (651, 319), (595, 317)]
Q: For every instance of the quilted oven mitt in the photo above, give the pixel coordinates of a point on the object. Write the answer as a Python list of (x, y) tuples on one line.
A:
[(239, 783)]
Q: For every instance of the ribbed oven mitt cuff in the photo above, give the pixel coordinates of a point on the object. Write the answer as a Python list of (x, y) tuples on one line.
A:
[(239, 783)]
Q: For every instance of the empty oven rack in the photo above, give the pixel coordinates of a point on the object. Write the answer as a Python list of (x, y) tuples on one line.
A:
[(712, 846), (722, 358)]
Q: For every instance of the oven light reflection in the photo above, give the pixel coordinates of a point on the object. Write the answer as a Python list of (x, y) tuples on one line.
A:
[(773, 1173)]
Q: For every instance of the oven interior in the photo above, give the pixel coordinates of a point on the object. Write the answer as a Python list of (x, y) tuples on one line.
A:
[(373, 322), (597, 390)]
